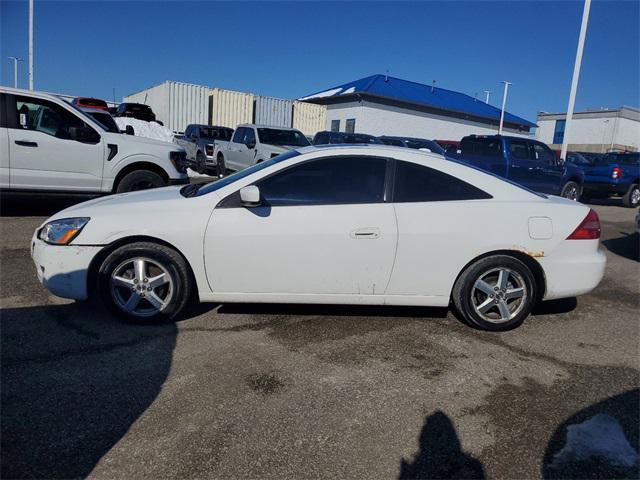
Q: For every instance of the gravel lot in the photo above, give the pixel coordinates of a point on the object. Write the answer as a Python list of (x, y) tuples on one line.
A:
[(248, 391)]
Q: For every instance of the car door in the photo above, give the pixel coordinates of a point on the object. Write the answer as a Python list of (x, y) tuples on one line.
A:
[(551, 171), (323, 228), (43, 155), (523, 169), (232, 155)]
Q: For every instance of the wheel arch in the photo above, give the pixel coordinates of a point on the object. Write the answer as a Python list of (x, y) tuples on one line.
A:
[(140, 165), (96, 262), (528, 260)]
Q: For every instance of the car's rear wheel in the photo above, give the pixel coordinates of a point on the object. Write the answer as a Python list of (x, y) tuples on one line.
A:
[(140, 180), (632, 197), (221, 168), (571, 190), (200, 163), (495, 293), (145, 282)]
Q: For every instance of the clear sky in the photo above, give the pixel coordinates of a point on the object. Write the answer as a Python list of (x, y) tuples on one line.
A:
[(291, 49)]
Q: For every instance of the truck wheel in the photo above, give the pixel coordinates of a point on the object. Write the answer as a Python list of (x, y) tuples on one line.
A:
[(140, 180), (200, 163), (631, 199), (571, 190), (221, 168)]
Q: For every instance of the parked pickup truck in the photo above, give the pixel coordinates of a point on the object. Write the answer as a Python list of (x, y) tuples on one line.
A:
[(252, 144), (613, 174), (199, 142), (530, 163), (48, 145)]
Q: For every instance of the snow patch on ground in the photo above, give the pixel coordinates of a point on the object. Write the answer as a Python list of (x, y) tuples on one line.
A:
[(601, 436), (145, 129)]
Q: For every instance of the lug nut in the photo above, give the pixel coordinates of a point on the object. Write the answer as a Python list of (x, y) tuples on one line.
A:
[(145, 280), (135, 280), (142, 294), (149, 288)]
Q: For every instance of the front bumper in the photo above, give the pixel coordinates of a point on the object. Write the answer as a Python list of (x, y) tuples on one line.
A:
[(570, 276), (63, 269)]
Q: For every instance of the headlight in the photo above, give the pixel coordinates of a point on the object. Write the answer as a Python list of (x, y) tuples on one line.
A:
[(61, 232), (179, 160)]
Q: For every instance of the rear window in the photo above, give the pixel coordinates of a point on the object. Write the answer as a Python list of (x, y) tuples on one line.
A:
[(488, 147), (92, 102), (105, 119), (216, 133), (136, 107), (272, 136)]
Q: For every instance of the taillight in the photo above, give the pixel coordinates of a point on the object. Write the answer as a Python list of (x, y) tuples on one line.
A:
[(589, 228), (615, 173)]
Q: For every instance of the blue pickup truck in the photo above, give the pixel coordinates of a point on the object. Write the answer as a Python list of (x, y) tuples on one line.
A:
[(530, 163), (610, 175)]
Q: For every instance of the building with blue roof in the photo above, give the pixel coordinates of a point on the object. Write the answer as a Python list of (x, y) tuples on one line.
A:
[(385, 105)]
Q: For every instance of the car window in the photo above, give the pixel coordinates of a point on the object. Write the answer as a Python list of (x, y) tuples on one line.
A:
[(488, 147), (519, 150), (321, 138), (273, 136), (392, 141), (543, 154), (327, 181), (238, 136), (105, 119), (417, 183), (249, 136), (46, 117)]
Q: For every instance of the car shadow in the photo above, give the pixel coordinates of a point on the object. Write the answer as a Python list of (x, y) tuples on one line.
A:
[(440, 453), (34, 205), (553, 307), (73, 381), (589, 451), (626, 246)]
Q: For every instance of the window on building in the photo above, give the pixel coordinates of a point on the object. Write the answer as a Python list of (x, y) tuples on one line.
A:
[(335, 125), (416, 183), (350, 126), (558, 133)]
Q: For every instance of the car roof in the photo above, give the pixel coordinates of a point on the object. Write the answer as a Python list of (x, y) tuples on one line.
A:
[(257, 125)]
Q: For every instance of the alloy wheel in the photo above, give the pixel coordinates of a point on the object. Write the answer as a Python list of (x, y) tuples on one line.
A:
[(499, 295)]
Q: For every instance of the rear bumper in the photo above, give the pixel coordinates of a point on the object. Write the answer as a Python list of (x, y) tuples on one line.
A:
[(570, 276), (604, 189)]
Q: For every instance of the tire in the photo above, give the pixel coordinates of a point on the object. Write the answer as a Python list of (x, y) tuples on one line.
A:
[(631, 199), (584, 198), (140, 180), (138, 305), (200, 163), (221, 168), (474, 304), (571, 191)]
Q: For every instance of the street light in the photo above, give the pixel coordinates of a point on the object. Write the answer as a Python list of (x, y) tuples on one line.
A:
[(574, 80), (504, 104), (15, 70), (30, 44)]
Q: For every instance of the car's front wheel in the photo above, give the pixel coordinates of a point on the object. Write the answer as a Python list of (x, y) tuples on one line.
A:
[(495, 293), (221, 168), (145, 282), (139, 180), (200, 163)]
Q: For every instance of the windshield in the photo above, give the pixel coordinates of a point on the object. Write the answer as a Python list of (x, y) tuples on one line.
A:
[(272, 136), (487, 147), (428, 144), (195, 190), (105, 120)]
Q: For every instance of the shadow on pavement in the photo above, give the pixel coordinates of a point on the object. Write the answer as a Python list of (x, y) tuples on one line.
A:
[(622, 410), (37, 205), (440, 454), (553, 307), (73, 382), (627, 246)]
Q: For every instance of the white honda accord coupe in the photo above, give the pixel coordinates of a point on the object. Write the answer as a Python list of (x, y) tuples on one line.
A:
[(358, 224)]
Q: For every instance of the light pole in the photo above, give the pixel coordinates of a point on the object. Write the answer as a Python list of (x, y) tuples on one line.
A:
[(574, 80), (30, 44), (504, 104), (15, 70), (488, 93)]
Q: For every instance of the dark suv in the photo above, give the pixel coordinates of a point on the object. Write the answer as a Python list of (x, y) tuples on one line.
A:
[(324, 138), (136, 110), (416, 143)]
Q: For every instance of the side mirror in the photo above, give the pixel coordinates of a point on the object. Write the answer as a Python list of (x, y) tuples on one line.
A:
[(251, 145), (83, 134), (250, 196), (129, 130)]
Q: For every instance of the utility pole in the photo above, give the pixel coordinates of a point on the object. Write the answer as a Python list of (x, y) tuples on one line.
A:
[(504, 104), (15, 70), (574, 80), (488, 93), (30, 44)]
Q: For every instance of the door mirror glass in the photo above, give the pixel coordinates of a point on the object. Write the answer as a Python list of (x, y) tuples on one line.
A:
[(129, 130), (251, 144), (250, 196)]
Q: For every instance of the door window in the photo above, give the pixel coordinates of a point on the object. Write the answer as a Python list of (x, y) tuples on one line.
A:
[(519, 150), (543, 154), (46, 117), (238, 136), (416, 183), (249, 136), (328, 181)]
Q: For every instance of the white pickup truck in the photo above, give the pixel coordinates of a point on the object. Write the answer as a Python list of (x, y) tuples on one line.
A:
[(50, 146), (199, 142), (252, 144)]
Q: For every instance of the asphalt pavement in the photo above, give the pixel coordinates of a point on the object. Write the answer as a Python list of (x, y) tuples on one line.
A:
[(274, 391)]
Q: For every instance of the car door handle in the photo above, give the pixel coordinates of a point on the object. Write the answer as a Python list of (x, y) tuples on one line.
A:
[(366, 233), (24, 143)]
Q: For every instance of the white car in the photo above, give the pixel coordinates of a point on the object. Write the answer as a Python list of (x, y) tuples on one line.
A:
[(49, 146), (357, 224)]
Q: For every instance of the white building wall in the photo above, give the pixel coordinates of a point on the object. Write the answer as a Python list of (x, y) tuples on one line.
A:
[(545, 130), (627, 132), (377, 119)]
